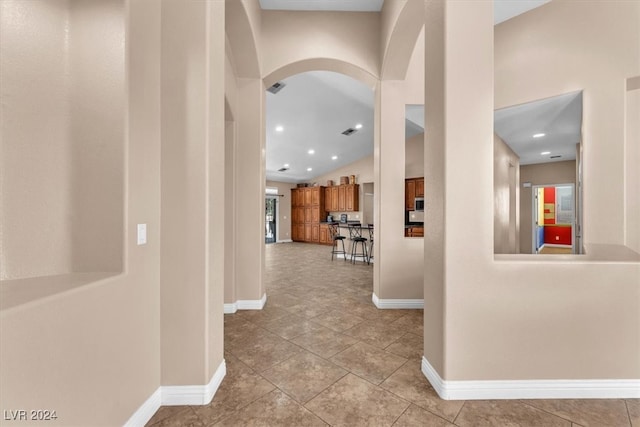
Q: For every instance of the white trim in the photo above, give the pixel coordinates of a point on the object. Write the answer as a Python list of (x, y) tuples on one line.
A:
[(530, 389), (177, 395), (230, 308), (555, 245), (252, 304), (397, 303), (194, 394), (146, 410), (285, 241)]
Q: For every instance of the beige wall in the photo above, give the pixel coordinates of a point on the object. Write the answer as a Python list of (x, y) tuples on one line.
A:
[(543, 37), (540, 174), (86, 343), (414, 156), (535, 303), (632, 159), (506, 198), (351, 37), (284, 208), (62, 151)]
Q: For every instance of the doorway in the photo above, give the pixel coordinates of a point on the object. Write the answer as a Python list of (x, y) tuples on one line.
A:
[(270, 219), (554, 219)]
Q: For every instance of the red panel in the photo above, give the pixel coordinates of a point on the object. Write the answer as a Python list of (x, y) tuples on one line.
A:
[(550, 198), (562, 233)]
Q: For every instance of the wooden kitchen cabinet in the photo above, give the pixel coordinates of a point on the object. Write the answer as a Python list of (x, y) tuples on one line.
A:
[(335, 192), (414, 232), (419, 187), (409, 194), (307, 210), (352, 198), (324, 235)]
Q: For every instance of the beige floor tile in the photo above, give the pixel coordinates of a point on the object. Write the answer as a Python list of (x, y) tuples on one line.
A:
[(375, 334), (167, 412), (353, 401), (304, 375), (501, 413), (182, 418), (633, 407), (282, 300), (415, 416), (368, 362), (269, 312), (409, 345), (309, 309), (412, 323), (324, 342), (274, 409), (409, 383), (264, 351), (291, 326), (586, 412), (240, 387), (338, 321)]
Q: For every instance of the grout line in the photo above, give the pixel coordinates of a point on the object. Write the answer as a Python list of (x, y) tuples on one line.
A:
[(626, 405), (459, 412), (400, 416), (548, 412)]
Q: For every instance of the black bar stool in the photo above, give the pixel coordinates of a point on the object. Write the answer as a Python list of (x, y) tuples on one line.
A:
[(355, 231), (336, 237), (370, 228)]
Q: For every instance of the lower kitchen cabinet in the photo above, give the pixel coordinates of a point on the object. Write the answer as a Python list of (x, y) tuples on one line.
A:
[(414, 232)]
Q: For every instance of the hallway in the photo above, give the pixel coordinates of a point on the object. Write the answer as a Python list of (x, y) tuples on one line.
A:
[(321, 353)]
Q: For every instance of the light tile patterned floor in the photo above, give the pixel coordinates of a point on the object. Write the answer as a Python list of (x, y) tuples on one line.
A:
[(320, 353)]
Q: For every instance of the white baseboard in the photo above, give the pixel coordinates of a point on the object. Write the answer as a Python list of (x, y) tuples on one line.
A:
[(397, 303), (177, 395), (230, 308), (285, 241), (146, 410), (194, 394), (252, 304), (245, 304), (530, 389), (556, 245)]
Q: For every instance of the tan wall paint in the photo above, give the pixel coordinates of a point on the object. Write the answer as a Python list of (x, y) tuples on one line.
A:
[(106, 333), (540, 174), (250, 188), (414, 82), (401, 22), (350, 37), (527, 45), (506, 198), (414, 153), (192, 264), (231, 100), (632, 174), (62, 137), (515, 316), (284, 208)]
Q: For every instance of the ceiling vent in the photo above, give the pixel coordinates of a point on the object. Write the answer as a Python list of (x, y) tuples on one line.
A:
[(349, 132), (555, 157), (277, 87), (283, 169)]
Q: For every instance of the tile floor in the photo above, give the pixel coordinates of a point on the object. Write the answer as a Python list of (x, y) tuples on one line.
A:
[(320, 353)]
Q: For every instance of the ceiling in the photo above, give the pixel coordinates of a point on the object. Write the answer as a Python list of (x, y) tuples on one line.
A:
[(315, 107), (559, 118), (339, 5)]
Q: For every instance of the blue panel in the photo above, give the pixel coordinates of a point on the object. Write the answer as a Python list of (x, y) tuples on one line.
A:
[(540, 237)]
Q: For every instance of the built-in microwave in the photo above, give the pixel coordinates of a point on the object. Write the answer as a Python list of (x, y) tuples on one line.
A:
[(418, 204)]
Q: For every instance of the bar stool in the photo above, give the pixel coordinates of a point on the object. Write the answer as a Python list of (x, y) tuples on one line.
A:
[(370, 228), (336, 237), (355, 231)]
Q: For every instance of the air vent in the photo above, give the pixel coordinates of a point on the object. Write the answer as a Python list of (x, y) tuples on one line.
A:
[(349, 132), (277, 87), (555, 157), (283, 169)]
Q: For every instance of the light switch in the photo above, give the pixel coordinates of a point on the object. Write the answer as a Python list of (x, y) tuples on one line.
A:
[(142, 234)]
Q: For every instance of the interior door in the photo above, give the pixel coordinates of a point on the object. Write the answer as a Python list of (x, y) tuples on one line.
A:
[(270, 220)]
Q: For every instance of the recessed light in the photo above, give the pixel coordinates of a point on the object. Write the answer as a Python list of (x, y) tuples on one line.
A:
[(544, 153), (359, 126), (309, 169), (312, 151), (334, 157), (286, 165), (279, 128), (539, 135)]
